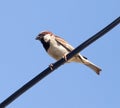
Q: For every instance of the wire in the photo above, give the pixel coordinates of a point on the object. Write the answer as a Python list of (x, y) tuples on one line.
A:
[(47, 71)]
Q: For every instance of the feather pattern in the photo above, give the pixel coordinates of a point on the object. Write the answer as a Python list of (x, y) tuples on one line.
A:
[(64, 43), (58, 48)]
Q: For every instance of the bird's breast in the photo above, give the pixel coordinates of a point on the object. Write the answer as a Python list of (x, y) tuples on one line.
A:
[(57, 51)]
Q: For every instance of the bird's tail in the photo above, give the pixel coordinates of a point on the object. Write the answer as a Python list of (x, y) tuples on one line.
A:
[(81, 59), (93, 67), (85, 61)]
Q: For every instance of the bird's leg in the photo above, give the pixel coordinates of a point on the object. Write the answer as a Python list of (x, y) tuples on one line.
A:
[(51, 66), (65, 57)]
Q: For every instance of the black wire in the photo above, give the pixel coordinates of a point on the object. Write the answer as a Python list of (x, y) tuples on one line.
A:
[(47, 71)]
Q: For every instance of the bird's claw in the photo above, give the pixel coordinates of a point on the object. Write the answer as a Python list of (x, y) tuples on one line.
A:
[(65, 57), (51, 66)]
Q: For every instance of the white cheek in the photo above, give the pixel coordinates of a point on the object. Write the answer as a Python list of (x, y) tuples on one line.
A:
[(47, 38)]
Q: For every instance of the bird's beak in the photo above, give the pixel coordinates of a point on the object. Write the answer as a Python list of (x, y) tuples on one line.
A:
[(37, 38)]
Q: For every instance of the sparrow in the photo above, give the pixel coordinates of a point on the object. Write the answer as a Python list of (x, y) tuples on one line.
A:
[(57, 48)]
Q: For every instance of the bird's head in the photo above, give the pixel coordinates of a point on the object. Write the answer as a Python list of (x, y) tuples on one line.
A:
[(45, 36)]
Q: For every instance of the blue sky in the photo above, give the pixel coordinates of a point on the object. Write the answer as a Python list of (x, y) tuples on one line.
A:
[(72, 85)]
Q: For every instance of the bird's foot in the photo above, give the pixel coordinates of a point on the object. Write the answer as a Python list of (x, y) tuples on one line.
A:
[(51, 66), (65, 57)]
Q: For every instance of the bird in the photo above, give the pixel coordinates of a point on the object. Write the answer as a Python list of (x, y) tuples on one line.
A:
[(57, 48)]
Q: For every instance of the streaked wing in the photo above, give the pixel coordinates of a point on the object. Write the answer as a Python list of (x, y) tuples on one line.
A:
[(64, 43)]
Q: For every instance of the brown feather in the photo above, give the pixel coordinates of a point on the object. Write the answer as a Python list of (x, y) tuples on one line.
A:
[(64, 43)]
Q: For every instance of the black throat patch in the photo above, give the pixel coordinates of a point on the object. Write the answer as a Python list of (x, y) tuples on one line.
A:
[(46, 45)]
